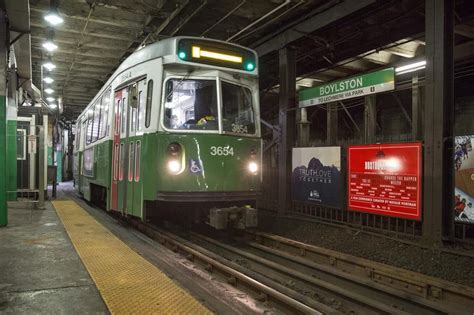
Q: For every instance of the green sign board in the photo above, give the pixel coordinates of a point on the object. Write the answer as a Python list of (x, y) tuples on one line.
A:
[(366, 84)]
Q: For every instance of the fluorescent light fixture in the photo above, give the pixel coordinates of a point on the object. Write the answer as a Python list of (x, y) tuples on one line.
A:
[(48, 80), (49, 90), (49, 45), (49, 65), (197, 52), (52, 105), (50, 99), (53, 17), (411, 67)]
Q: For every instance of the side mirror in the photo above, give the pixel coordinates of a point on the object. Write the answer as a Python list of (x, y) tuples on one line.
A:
[(133, 96)]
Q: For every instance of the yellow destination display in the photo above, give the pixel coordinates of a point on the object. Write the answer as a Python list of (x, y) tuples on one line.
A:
[(197, 52)]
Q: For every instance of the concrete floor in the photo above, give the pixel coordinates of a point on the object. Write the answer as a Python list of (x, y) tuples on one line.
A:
[(40, 272)]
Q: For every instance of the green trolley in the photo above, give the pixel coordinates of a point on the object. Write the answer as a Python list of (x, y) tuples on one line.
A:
[(175, 132)]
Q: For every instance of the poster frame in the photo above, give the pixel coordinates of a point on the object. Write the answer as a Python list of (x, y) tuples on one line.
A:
[(343, 193), (419, 209)]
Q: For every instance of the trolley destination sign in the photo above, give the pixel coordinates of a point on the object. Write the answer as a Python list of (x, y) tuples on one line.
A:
[(366, 84)]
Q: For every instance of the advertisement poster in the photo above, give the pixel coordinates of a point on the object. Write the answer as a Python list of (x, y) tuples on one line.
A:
[(316, 176), (385, 179), (464, 179)]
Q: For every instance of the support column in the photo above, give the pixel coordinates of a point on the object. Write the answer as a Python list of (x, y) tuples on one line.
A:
[(438, 185), (3, 115), (370, 119), (416, 110), (331, 128), (12, 109), (287, 119), (303, 128)]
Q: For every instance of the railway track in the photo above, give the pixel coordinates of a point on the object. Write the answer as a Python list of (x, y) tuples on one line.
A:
[(420, 288), (277, 297), (291, 277)]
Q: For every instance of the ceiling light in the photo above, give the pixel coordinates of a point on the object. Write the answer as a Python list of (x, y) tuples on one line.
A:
[(53, 17), (411, 67), (53, 105), (50, 99), (49, 65), (49, 45), (49, 91), (48, 80)]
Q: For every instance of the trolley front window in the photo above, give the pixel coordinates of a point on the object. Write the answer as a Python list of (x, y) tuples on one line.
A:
[(237, 111), (191, 105)]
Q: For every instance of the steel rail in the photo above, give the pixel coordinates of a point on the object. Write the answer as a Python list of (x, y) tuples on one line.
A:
[(266, 290), (358, 295), (423, 289)]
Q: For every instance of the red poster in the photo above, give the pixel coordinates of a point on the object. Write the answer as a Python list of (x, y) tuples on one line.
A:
[(385, 179)]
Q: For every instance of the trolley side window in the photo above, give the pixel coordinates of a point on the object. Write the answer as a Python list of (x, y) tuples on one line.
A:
[(104, 116), (140, 109), (96, 128), (122, 161), (90, 124), (131, 162), (149, 93), (137, 161), (124, 115)]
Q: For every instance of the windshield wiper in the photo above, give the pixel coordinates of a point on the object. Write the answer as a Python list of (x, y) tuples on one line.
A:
[(179, 84)]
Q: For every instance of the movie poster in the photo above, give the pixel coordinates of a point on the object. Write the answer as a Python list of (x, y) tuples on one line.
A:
[(464, 179), (316, 176), (385, 179)]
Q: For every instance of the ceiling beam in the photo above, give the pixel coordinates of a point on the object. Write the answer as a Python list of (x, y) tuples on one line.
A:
[(464, 30), (99, 44), (41, 29), (280, 38), (38, 57), (464, 50), (38, 12), (115, 10), (62, 69), (62, 51), (381, 57)]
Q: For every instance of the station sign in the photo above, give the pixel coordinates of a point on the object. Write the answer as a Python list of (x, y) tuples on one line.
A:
[(385, 179), (316, 176), (366, 84)]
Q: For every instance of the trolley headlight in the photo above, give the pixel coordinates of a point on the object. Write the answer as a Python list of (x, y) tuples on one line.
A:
[(252, 167), (175, 154), (174, 166)]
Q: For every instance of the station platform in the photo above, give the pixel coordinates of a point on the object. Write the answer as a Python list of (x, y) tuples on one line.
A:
[(63, 259), (40, 270)]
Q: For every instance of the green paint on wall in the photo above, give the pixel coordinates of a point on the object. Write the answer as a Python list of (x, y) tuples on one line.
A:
[(50, 155), (59, 163), (3, 164), (11, 162)]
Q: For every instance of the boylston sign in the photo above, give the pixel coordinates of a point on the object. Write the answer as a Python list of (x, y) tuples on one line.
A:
[(366, 84)]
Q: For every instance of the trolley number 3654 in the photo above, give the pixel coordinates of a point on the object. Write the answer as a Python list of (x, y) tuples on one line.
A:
[(228, 150)]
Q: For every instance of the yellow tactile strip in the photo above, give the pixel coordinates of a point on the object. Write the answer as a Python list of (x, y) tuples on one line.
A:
[(127, 282)]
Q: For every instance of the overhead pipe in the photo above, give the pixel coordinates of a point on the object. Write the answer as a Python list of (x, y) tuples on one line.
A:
[(224, 17), (259, 20), (189, 18), (164, 24), (79, 44), (274, 19)]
